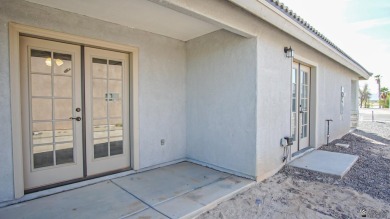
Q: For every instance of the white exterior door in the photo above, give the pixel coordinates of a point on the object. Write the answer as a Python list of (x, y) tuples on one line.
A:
[(51, 93), (52, 112), (107, 110), (300, 106)]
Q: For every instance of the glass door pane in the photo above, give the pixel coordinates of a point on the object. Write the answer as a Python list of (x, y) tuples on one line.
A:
[(304, 99), (107, 98), (294, 103), (51, 98)]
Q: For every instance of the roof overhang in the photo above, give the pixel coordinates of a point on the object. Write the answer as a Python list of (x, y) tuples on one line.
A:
[(184, 20), (138, 14), (276, 17)]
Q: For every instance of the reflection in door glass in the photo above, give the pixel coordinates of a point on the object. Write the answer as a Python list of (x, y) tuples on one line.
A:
[(100, 148), (293, 103), (116, 127), (41, 109), (40, 61), (42, 133), (99, 108), (99, 68), (63, 108), (116, 146), (100, 128), (62, 64), (51, 83), (40, 85), (107, 107), (115, 69), (64, 153), (304, 131), (63, 86), (43, 156), (304, 97), (115, 87), (99, 88), (115, 108), (63, 131)]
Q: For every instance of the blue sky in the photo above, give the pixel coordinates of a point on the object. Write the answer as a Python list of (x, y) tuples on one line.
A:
[(359, 27)]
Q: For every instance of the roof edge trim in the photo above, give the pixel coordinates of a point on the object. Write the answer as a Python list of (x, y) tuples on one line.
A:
[(280, 11)]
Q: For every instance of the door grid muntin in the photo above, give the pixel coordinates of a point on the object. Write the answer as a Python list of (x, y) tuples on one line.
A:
[(61, 149), (107, 134)]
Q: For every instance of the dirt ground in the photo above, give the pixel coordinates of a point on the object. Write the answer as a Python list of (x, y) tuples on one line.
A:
[(295, 193)]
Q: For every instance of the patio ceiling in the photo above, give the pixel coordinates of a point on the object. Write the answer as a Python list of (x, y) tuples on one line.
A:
[(138, 14)]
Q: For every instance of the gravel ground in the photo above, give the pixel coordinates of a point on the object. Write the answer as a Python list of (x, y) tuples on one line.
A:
[(371, 173), (297, 193)]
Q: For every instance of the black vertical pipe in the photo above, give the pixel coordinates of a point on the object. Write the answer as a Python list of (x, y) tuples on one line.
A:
[(327, 136)]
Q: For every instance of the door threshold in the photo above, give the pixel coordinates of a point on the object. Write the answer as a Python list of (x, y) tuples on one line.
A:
[(302, 152), (68, 182)]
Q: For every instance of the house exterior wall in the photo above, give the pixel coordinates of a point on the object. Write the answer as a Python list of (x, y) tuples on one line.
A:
[(273, 79), (162, 68), (221, 101), (274, 90)]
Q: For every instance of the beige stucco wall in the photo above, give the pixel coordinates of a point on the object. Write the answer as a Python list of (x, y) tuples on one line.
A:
[(274, 91), (161, 81), (273, 79), (221, 101), (253, 114)]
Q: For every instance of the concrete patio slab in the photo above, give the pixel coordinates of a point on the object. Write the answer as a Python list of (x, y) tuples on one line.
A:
[(173, 181), (220, 190), (175, 191), (102, 200), (147, 214), (179, 207), (200, 200), (332, 163)]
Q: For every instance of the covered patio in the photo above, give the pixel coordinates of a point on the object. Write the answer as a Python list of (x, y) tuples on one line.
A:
[(180, 190)]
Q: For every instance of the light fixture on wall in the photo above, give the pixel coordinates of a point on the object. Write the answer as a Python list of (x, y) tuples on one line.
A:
[(289, 52), (59, 62)]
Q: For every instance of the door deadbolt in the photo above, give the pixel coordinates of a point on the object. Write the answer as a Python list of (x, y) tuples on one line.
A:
[(76, 118), (78, 109)]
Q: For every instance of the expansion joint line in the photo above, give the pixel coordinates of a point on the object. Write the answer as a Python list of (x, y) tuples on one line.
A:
[(150, 206)]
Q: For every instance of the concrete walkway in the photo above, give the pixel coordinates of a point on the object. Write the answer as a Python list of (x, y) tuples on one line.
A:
[(176, 191), (332, 163)]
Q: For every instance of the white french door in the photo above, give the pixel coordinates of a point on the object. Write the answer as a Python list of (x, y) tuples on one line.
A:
[(52, 112), (107, 107), (51, 93), (300, 106)]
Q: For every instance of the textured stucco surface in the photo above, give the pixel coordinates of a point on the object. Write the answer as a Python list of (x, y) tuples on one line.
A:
[(161, 81), (273, 97), (220, 98), (221, 101), (273, 79)]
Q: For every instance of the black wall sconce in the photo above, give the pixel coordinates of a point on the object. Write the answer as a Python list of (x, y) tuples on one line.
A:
[(289, 52)]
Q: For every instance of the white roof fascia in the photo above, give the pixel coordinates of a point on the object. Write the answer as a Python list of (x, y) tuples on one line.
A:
[(269, 13)]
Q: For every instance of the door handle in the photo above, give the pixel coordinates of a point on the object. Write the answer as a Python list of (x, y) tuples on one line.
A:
[(76, 118)]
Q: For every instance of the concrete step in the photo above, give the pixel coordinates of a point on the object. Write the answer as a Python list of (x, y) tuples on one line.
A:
[(332, 163)]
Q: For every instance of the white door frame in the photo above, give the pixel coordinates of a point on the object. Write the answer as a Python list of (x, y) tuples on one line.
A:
[(298, 81), (15, 30), (313, 118)]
